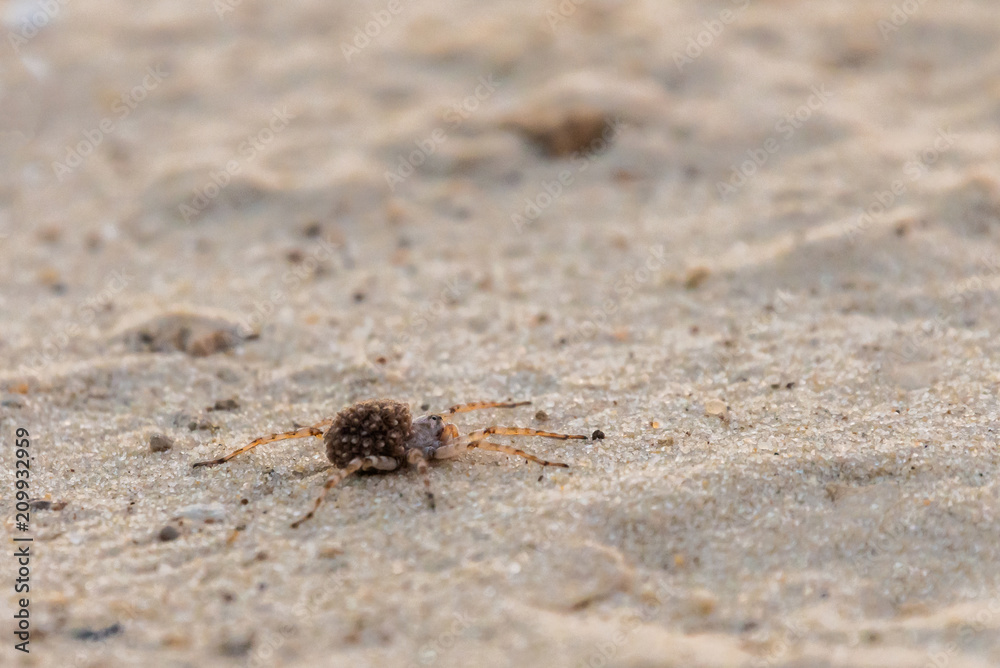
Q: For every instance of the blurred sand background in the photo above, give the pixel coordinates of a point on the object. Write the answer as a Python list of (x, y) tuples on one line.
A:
[(796, 370)]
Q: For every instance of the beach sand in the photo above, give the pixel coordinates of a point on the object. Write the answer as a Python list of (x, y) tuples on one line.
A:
[(757, 244)]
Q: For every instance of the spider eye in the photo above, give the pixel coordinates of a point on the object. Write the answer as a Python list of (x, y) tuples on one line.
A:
[(436, 417)]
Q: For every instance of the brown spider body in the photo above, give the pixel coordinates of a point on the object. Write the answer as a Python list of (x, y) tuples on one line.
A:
[(374, 428), (380, 435)]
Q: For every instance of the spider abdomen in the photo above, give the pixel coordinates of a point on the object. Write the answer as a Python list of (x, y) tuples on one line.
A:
[(372, 428)]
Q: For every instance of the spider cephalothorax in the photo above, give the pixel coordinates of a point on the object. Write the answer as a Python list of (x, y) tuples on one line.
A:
[(430, 432), (380, 435)]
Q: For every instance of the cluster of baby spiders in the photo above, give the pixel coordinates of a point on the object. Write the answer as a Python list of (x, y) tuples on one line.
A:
[(381, 435)]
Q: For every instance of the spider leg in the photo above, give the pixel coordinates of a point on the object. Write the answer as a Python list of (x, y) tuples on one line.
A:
[(356, 464), (506, 449), (380, 464), (519, 431), (476, 405), (416, 458), (476, 439), (314, 430), (454, 448)]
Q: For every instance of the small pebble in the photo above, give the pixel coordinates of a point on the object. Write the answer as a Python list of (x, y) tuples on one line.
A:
[(99, 634), (200, 423), (195, 334), (695, 277), (203, 512), (702, 602), (598, 435), (541, 416), (180, 419), (43, 504), (225, 405), (50, 234), (11, 402), (717, 408), (160, 443), (236, 647), (168, 533), (560, 133)]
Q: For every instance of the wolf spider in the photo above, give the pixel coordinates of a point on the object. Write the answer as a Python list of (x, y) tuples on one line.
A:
[(380, 435)]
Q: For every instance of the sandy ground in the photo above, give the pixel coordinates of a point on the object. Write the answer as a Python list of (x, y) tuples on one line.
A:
[(756, 243)]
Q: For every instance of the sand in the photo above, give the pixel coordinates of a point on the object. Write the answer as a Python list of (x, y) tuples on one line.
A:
[(757, 244)]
